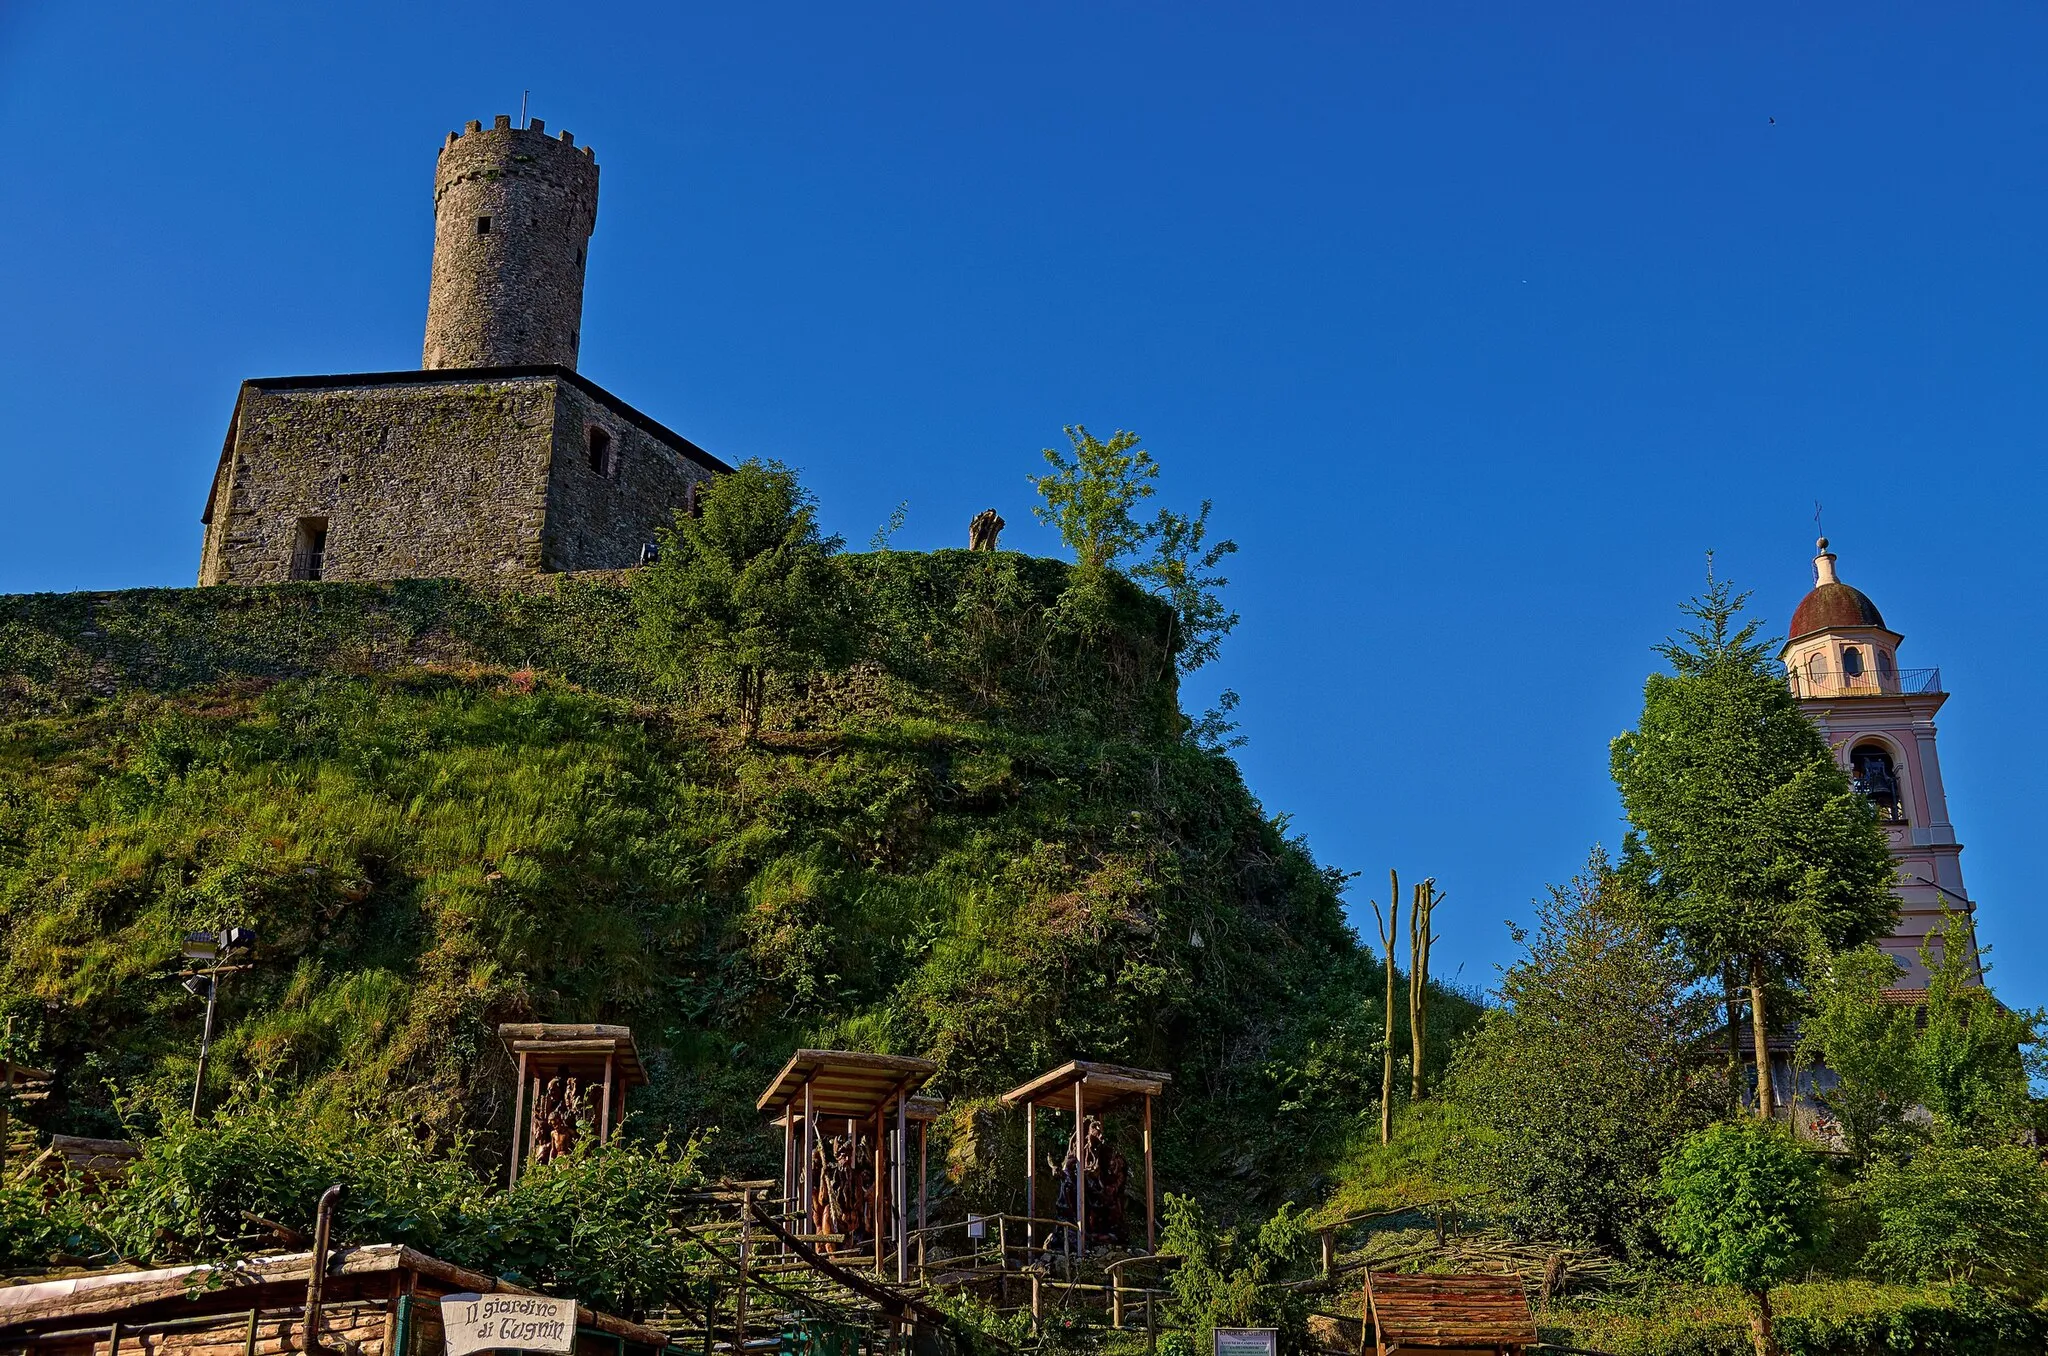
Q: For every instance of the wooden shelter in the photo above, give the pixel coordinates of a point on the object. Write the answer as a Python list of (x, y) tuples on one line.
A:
[(1448, 1315), (864, 1091), (374, 1301), (1087, 1089), (560, 1065)]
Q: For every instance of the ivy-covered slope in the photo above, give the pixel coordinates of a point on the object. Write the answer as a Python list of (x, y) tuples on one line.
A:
[(443, 806)]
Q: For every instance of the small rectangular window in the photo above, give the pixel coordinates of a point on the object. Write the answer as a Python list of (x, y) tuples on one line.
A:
[(309, 549), (601, 452), (483, 225)]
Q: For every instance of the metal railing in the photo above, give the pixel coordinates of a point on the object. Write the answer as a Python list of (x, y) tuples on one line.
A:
[(1807, 682)]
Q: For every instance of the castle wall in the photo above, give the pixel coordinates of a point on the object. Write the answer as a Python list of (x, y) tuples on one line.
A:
[(412, 481), (600, 520)]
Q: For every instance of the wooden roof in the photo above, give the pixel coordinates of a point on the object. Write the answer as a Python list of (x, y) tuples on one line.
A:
[(196, 1289), (1449, 1311), (1101, 1085), (845, 1082), (577, 1048)]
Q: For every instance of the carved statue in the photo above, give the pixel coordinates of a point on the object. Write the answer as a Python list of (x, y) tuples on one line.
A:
[(983, 531), (555, 1116), (1107, 1176), (843, 1203)]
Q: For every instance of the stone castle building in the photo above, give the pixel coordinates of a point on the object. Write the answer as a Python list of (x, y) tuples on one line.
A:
[(496, 458)]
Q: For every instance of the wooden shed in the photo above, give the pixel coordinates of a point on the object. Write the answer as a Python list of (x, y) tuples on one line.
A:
[(380, 1300), (1449, 1315)]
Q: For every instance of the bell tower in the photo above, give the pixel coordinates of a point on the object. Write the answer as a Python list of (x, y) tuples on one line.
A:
[(1843, 664)]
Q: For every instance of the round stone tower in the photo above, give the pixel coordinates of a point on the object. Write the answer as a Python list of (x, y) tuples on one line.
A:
[(513, 212)]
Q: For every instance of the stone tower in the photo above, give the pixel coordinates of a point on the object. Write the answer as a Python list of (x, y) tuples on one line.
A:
[(513, 212)]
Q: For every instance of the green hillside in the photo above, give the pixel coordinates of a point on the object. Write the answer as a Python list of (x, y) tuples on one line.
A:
[(443, 806)]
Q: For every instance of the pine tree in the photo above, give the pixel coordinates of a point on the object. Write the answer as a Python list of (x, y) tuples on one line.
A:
[(1758, 852)]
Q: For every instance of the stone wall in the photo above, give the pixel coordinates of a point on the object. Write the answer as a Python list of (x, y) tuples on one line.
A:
[(477, 475), (413, 481), (599, 519), (513, 213)]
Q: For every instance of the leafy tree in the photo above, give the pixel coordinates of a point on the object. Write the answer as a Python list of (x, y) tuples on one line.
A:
[(744, 590), (1973, 1056), (1182, 570), (1954, 1210), (1225, 1277), (1588, 1070), (1759, 851), (1747, 1208), (1091, 495), (1865, 1042)]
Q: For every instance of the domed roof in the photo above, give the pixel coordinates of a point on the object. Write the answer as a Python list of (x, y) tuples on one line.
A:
[(1832, 603)]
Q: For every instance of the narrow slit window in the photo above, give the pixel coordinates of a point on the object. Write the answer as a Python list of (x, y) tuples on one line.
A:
[(309, 549), (483, 225), (601, 452)]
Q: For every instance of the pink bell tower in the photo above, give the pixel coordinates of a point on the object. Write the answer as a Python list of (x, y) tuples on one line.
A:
[(1843, 664)]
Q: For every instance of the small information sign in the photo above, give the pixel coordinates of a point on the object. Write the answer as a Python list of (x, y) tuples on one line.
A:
[(1247, 1342), (508, 1323)]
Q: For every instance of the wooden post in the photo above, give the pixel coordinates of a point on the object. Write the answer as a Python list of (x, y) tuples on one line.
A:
[(6, 1108), (604, 1115), (1030, 1176), (1080, 1174), (739, 1321), (1329, 1237), (877, 1203), (810, 1151), (902, 1190), (924, 1165), (1151, 1227), (788, 1163), (1116, 1296), (519, 1126)]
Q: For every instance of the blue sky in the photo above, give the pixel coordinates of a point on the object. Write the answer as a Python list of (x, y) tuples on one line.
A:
[(1480, 324)]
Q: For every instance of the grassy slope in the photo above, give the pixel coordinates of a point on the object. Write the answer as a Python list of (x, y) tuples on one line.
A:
[(445, 806)]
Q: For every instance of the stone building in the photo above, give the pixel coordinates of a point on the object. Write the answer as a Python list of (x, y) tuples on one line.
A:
[(496, 458)]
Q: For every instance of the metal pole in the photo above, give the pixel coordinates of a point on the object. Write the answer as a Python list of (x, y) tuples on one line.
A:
[(205, 1042)]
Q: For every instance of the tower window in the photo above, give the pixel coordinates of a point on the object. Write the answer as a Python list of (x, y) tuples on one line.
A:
[(1884, 663), (1852, 662), (483, 225), (309, 549), (1872, 774), (601, 460)]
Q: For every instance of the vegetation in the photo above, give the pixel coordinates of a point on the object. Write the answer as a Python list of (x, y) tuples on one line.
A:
[(1756, 851), (1746, 1207), (1226, 1278), (1587, 1072)]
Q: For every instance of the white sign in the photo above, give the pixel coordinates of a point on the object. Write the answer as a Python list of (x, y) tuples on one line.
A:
[(1247, 1341), (508, 1323)]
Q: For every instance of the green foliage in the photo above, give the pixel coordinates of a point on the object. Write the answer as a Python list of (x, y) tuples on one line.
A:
[(1953, 1210), (983, 841), (1225, 1277), (1867, 1043), (1746, 1203), (595, 1224), (1823, 1318), (1588, 1071), (744, 590), (1759, 850), (1182, 570), (1091, 495)]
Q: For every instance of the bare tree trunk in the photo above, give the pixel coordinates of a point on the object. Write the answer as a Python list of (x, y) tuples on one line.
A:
[(1419, 943), (750, 689), (1389, 926), (1762, 1335), (1765, 1103)]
